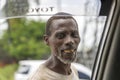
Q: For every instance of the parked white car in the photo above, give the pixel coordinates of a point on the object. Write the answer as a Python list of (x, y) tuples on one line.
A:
[(27, 67)]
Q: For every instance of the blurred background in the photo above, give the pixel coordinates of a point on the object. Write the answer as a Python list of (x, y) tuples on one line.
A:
[(22, 26)]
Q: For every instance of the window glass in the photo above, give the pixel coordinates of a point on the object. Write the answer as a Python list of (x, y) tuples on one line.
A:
[(22, 26)]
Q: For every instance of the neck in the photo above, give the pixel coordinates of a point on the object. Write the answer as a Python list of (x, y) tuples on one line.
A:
[(56, 65)]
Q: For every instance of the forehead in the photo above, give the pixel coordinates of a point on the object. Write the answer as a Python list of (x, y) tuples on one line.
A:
[(63, 23)]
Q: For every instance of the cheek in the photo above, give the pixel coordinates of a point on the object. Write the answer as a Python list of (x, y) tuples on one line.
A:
[(77, 41), (57, 47), (55, 44)]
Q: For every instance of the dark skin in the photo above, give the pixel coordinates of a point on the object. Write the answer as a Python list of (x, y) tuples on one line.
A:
[(64, 40)]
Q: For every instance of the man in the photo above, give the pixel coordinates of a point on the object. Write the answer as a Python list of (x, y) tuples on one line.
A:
[(62, 37)]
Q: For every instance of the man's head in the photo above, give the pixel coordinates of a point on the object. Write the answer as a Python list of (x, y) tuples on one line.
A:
[(62, 36)]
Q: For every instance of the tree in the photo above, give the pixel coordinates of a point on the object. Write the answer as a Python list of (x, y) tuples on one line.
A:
[(25, 39)]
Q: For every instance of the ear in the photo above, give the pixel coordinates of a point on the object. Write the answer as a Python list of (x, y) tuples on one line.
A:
[(46, 39)]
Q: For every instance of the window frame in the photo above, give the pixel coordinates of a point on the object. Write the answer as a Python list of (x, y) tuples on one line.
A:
[(103, 68)]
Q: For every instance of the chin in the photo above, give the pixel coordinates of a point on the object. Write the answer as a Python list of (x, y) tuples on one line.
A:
[(65, 58), (67, 61)]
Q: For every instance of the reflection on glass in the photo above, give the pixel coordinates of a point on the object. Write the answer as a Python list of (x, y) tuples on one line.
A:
[(24, 37), (10, 8), (22, 26)]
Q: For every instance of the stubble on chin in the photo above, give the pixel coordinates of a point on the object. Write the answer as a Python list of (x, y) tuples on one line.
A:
[(66, 61)]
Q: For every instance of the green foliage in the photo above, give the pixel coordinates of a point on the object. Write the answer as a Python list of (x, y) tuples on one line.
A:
[(7, 73), (25, 39)]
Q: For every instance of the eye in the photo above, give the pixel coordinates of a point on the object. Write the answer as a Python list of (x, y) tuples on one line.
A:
[(75, 35), (60, 35)]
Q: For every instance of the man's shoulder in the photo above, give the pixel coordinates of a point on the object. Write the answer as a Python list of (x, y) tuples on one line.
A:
[(38, 74)]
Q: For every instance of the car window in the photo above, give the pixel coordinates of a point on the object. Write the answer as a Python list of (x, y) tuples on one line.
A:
[(22, 26)]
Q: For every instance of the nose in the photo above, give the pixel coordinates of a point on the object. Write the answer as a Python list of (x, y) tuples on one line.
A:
[(69, 42)]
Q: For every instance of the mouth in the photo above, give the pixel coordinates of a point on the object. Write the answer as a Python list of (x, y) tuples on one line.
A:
[(69, 50), (67, 55)]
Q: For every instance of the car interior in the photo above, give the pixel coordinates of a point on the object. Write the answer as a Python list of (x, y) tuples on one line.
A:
[(107, 63), (107, 59)]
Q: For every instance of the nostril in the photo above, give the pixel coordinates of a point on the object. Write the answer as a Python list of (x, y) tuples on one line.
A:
[(69, 44)]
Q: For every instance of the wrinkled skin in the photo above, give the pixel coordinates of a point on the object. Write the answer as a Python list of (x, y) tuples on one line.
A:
[(63, 41)]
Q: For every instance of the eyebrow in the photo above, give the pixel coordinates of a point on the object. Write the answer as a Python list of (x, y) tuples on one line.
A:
[(61, 31)]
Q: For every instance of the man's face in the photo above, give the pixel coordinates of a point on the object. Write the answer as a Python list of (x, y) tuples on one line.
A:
[(64, 39)]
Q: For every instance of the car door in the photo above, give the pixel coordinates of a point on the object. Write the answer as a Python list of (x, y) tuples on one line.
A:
[(107, 64)]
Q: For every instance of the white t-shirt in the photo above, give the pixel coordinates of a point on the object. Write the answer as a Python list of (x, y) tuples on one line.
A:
[(44, 73)]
